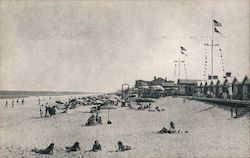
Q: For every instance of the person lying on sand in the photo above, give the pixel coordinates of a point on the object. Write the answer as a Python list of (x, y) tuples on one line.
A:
[(75, 147), (164, 130), (96, 146), (122, 147), (48, 150)]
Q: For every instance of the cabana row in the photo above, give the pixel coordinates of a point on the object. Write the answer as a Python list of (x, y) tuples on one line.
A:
[(227, 89)]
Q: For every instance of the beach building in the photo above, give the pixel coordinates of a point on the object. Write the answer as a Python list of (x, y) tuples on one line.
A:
[(187, 87), (227, 88), (218, 89), (170, 88), (209, 92), (237, 89), (213, 86), (205, 87), (154, 88), (246, 88), (202, 85), (156, 81)]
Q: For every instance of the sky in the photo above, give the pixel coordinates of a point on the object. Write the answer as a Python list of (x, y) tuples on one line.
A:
[(94, 46)]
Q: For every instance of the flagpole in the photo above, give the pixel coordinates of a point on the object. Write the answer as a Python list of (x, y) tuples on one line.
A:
[(212, 47), (179, 64)]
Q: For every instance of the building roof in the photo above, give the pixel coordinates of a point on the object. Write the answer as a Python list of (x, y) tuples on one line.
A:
[(168, 84), (246, 80), (213, 82), (227, 80), (187, 81)]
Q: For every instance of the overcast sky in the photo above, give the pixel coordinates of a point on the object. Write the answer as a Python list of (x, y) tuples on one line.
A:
[(97, 46)]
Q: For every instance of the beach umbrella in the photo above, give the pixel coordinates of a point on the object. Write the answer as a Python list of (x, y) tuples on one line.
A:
[(59, 102), (144, 100), (99, 102), (107, 106)]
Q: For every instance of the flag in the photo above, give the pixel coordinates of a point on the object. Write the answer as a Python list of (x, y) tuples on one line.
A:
[(215, 30), (183, 53), (216, 23), (183, 49)]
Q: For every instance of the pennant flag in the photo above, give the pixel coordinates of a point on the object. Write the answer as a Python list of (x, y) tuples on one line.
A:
[(216, 23), (183, 53), (215, 30), (183, 49)]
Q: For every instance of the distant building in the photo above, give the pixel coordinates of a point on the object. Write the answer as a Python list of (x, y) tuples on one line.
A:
[(170, 88), (158, 87), (187, 87), (155, 82)]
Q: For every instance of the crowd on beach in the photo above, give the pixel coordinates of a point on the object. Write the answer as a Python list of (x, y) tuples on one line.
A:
[(101, 101)]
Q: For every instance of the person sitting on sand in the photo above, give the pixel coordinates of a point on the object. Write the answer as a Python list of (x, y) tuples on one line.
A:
[(157, 108), (91, 120), (98, 119), (140, 107), (172, 127), (48, 150), (122, 147), (75, 147), (51, 111), (96, 146)]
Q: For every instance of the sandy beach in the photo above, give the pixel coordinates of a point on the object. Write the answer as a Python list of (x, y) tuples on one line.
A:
[(211, 131)]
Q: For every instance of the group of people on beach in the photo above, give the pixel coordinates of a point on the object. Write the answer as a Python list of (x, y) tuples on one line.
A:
[(46, 109), (13, 102), (94, 120), (76, 147)]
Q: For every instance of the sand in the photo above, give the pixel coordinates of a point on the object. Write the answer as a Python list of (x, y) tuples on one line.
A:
[(211, 131)]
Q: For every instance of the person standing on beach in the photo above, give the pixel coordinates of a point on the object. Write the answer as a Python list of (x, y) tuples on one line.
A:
[(6, 104), (39, 101), (17, 100), (231, 112), (22, 101), (12, 103)]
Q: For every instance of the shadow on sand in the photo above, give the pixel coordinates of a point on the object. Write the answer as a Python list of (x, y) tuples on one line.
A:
[(242, 110)]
